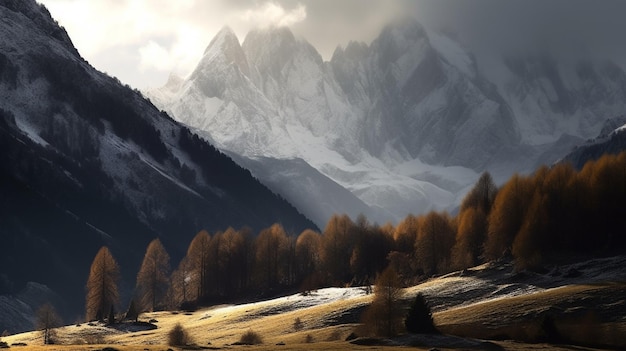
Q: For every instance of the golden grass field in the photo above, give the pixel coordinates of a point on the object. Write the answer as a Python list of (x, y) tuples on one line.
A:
[(588, 314)]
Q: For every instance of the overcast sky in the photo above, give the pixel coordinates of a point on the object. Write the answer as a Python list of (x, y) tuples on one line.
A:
[(142, 41)]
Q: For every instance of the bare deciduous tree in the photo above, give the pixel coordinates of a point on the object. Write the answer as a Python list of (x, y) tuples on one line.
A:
[(47, 320)]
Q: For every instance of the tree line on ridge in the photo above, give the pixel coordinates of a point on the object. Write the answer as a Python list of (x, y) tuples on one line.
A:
[(553, 211)]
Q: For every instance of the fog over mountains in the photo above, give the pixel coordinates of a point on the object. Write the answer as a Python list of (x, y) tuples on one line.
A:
[(403, 124)]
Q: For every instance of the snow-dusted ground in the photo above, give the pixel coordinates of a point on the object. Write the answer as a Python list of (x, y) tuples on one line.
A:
[(487, 282), (500, 280), (292, 302)]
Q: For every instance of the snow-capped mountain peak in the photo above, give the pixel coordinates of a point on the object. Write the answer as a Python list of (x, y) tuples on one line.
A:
[(225, 46), (395, 122)]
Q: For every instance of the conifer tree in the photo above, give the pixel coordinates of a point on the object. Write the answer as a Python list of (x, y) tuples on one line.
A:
[(153, 277), (384, 316), (419, 319), (336, 248), (271, 249), (482, 194), (434, 242), (470, 238), (507, 215), (307, 253), (198, 257), (102, 291)]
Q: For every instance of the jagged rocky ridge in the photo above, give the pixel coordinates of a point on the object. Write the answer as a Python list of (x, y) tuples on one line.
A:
[(86, 162), (405, 123), (611, 140)]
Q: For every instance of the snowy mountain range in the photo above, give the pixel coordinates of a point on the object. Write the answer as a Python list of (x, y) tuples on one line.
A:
[(87, 162), (404, 124)]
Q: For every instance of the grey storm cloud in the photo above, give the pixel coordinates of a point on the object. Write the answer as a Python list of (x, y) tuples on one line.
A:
[(528, 25), (176, 33)]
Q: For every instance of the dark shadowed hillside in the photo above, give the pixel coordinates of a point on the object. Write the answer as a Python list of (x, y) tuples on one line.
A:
[(86, 162)]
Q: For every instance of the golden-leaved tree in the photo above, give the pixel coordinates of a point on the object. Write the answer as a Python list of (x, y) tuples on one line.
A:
[(384, 316), (198, 264), (336, 248), (434, 242), (507, 215), (153, 278), (102, 292), (470, 237), (271, 250)]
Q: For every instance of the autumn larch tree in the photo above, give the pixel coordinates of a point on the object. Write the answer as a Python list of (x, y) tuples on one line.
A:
[(102, 292), (307, 258), (434, 242), (402, 258), (405, 234), (370, 250), (472, 222), (215, 271), (153, 278), (482, 195), (608, 185), (470, 238), (271, 246), (384, 316), (507, 215), (336, 248), (529, 243), (198, 256), (231, 251), (47, 320), (180, 290)]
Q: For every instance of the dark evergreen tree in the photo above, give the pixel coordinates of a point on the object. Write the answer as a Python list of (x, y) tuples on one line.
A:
[(419, 319)]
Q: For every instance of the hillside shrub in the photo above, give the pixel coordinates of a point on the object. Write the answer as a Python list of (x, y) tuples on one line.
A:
[(251, 338), (178, 336), (308, 339), (297, 324)]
